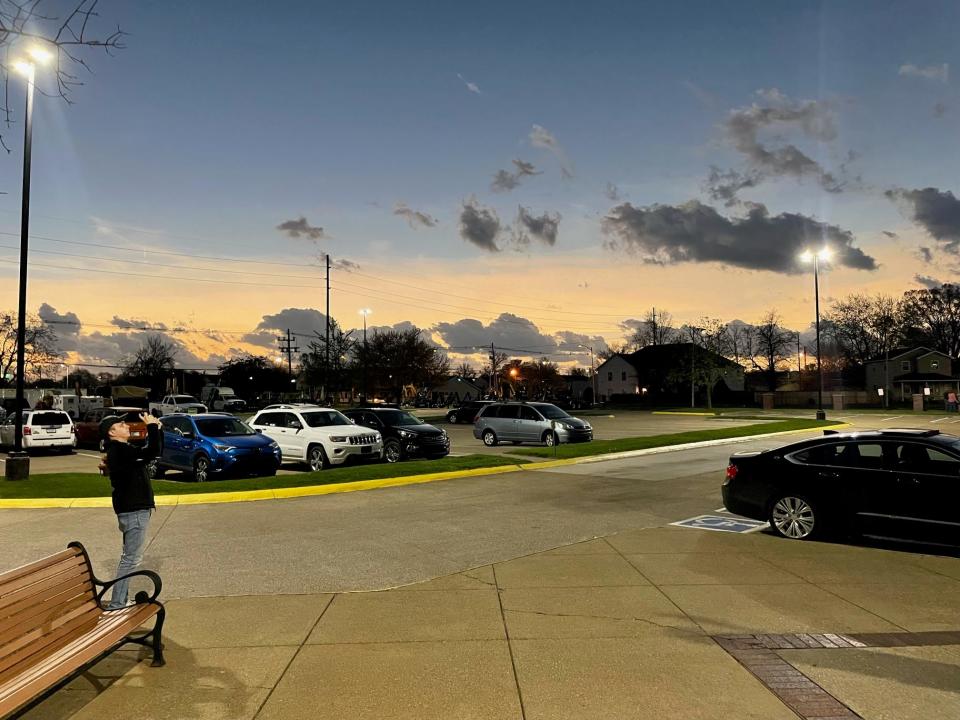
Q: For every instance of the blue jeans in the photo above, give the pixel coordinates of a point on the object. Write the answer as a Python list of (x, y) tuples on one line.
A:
[(133, 525)]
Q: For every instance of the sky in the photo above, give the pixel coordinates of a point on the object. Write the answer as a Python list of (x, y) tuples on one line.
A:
[(536, 175)]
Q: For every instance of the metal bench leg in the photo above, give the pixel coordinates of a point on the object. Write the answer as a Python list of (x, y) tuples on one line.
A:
[(156, 643)]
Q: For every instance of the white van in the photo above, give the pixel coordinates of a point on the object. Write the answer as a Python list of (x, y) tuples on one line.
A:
[(42, 429)]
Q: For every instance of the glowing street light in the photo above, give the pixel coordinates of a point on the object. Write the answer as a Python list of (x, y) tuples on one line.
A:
[(809, 256), (18, 462)]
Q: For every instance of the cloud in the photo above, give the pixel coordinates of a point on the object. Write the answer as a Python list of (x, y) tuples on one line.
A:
[(931, 283), (505, 180), (612, 192), (472, 87), (724, 186), (345, 265), (543, 227), (889, 234), (66, 326), (930, 72), (936, 211), (694, 232), (940, 109), (303, 322), (138, 324), (414, 218), (300, 228), (505, 331), (812, 118), (925, 254), (542, 138), (708, 99), (479, 225)]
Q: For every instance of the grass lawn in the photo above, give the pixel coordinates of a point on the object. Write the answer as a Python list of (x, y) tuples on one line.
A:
[(70, 485), (601, 447)]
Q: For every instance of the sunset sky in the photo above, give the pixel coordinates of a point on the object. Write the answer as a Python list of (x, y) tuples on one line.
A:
[(532, 174)]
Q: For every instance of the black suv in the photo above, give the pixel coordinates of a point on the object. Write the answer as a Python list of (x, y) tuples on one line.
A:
[(886, 483), (466, 411), (404, 435)]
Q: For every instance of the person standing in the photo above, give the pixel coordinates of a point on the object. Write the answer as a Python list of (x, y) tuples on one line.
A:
[(133, 503)]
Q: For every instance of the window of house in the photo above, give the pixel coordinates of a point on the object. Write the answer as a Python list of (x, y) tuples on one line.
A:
[(609, 377), (623, 375), (934, 364), (905, 365)]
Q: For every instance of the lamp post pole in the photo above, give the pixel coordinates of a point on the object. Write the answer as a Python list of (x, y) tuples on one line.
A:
[(593, 372), (365, 312), (18, 463), (821, 415)]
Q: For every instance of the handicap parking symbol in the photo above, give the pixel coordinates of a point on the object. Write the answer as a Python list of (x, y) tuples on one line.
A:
[(721, 523)]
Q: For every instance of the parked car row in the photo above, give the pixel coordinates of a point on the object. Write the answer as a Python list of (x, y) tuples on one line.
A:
[(42, 430)]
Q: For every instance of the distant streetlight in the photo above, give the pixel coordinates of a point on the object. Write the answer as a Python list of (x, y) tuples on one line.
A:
[(593, 371), (365, 312), (809, 256), (693, 363), (18, 463)]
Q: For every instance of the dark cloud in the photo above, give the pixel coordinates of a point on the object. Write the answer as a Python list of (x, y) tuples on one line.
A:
[(936, 211), (694, 232), (940, 109), (301, 228), (304, 322), (506, 331), (138, 324), (480, 226), (65, 325), (414, 218), (812, 118), (889, 234), (724, 186), (543, 227), (542, 138), (118, 347), (505, 180), (931, 283), (925, 254), (345, 265), (612, 192)]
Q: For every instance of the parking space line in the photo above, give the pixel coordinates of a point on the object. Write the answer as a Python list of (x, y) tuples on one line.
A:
[(895, 417), (939, 419)]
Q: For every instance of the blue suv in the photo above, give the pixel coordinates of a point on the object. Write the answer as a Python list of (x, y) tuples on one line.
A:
[(213, 445)]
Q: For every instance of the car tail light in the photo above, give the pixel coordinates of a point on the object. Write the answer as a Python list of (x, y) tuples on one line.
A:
[(732, 471), (27, 430), (475, 418)]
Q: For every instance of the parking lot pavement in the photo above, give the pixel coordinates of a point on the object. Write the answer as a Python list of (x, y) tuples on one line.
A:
[(81, 460)]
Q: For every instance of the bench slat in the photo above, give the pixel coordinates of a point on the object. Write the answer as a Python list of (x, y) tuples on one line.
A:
[(31, 568), (24, 586), (17, 616), (40, 617), (61, 631), (113, 627), (37, 591)]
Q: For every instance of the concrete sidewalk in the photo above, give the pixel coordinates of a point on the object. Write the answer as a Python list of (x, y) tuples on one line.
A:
[(635, 625)]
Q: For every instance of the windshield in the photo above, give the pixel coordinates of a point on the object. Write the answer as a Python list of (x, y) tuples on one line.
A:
[(184, 399), (552, 412), (223, 427), (325, 418), (399, 417)]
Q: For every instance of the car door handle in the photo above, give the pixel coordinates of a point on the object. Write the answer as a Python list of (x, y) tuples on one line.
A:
[(828, 474)]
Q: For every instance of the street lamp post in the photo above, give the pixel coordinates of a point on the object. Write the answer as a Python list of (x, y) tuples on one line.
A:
[(593, 372), (17, 466), (365, 312), (815, 258)]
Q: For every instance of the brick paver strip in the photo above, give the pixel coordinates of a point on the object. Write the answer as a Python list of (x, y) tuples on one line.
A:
[(758, 654)]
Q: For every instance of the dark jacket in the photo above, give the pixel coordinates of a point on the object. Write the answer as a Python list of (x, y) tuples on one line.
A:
[(127, 464)]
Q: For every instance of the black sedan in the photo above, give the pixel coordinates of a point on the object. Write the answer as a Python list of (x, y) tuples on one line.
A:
[(883, 483), (404, 435)]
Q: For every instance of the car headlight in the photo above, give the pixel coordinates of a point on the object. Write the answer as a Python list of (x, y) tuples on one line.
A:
[(376, 437), (564, 425), (274, 445), (406, 434), (223, 448), (443, 433), (338, 438)]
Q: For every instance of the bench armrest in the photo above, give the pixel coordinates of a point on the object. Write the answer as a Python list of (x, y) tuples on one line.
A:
[(141, 597)]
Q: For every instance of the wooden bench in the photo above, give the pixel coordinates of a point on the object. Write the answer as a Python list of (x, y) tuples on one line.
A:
[(53, 625)]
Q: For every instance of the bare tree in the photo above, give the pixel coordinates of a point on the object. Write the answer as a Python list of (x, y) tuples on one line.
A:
[(741, 341), (655, 329), (39, 348), (65, 30), (154, 360), (465, 370), (772, 344)]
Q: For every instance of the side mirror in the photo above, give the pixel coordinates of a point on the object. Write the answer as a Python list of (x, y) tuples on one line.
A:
[(258, 430)]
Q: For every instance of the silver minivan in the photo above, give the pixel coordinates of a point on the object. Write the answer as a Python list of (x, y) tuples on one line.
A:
[(533, 422)]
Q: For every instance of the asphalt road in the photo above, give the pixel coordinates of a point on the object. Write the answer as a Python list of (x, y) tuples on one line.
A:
[(389, 537)]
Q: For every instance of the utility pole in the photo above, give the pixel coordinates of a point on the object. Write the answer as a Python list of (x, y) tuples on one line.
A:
[(287, 347), (326, 366), (493, 371)]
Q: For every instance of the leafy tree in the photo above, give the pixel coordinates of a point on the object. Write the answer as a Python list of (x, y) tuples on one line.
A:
[(249, 375), (579, 372), (772, 345), (399, 359), (40, 346), (932, 318), (861, 327)]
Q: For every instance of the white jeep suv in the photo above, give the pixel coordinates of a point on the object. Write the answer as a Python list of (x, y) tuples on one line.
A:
[(317, 436)]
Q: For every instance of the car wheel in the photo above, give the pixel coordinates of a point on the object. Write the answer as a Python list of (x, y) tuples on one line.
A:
[(316, 458), (452, 418), (795, 517), (201, 469), (392, 452), (489, 438), (550, 439)]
